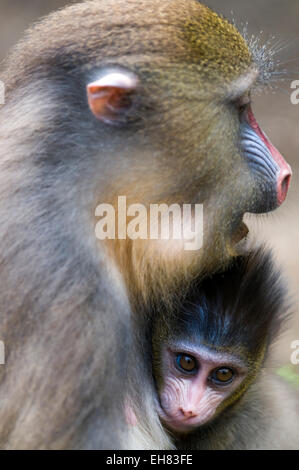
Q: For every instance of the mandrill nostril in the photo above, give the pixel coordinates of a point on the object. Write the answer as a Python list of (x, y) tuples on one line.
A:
[(283, 186), (286, 183), (187, 413)]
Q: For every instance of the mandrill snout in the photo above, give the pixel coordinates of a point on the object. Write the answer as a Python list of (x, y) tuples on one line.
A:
[(271, 172)]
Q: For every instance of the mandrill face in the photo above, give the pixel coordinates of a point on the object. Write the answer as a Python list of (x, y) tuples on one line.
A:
[(197, 385), (184, 115)]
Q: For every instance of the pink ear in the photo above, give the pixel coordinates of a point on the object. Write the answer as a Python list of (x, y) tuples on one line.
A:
[(109, 97)]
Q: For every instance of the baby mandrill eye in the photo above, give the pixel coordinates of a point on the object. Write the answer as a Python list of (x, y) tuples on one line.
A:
[(222, 376), (186, 363)]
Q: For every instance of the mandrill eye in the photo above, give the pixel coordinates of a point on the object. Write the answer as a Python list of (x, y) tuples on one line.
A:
[(243, 108), (186, 363), (242, 105), (222, 376)]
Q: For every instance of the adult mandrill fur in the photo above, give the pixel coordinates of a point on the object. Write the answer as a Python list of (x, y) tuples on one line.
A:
[(144, 99)]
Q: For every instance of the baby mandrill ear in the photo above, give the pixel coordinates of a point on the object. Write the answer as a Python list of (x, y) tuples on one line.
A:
[(110, 97)]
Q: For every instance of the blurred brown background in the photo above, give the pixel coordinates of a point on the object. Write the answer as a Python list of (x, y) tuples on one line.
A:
[(279, 118)]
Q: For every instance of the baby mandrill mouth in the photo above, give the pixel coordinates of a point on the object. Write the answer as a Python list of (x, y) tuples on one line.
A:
[(180, 426)]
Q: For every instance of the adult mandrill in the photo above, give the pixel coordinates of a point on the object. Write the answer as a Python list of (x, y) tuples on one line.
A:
[(211, 362), (144, 99)]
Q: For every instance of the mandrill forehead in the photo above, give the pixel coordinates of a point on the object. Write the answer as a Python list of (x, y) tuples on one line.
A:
[(115, 31), (217, 46)]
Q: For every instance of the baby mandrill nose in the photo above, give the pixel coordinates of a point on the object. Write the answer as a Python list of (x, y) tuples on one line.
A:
[(187, 413)]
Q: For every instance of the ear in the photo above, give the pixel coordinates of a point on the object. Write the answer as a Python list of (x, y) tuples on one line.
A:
[(110, 97)]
